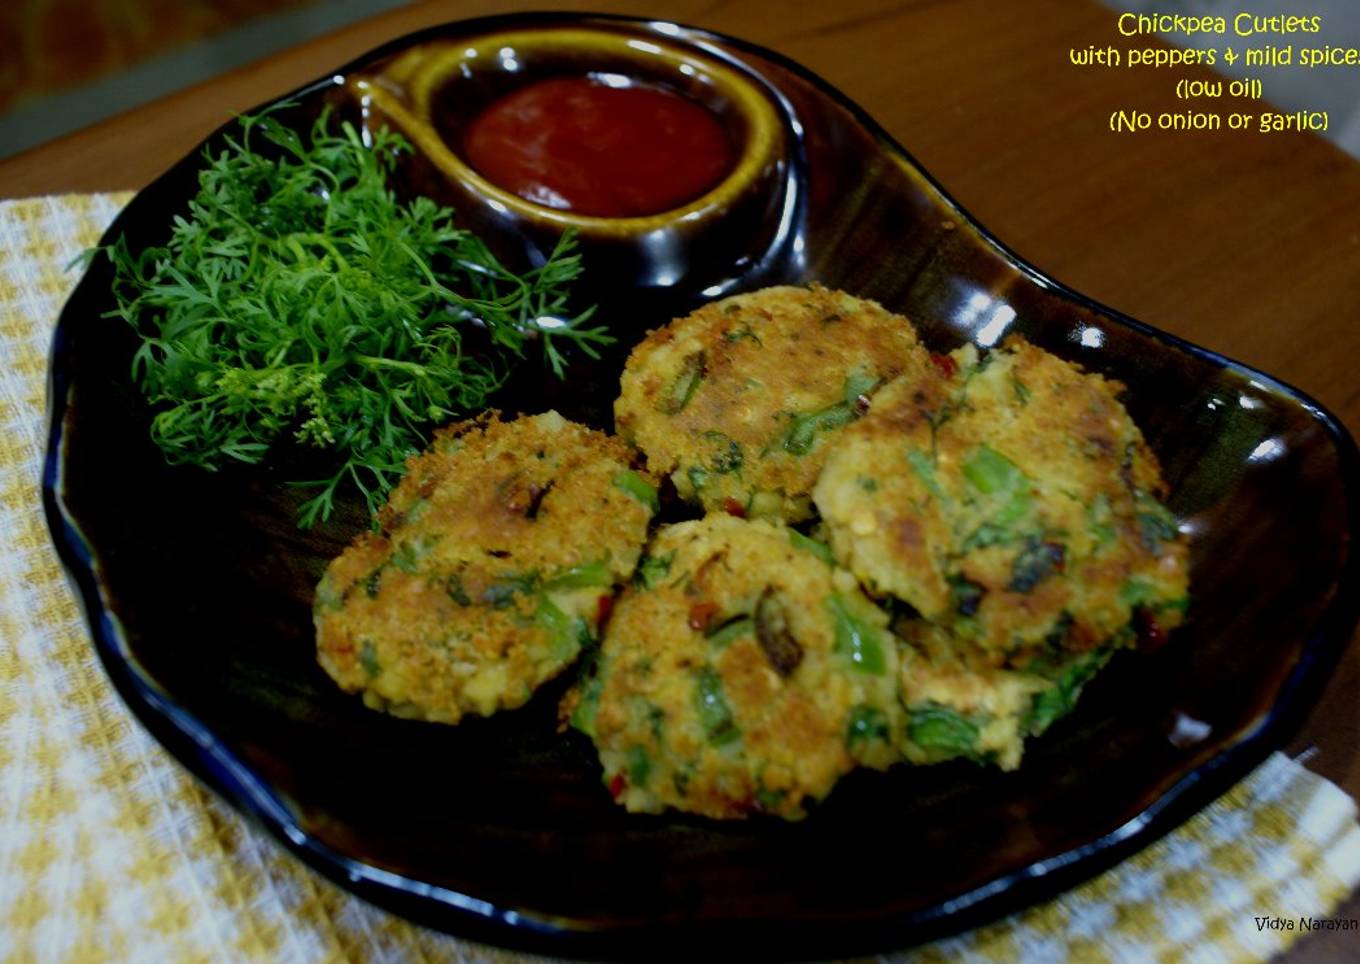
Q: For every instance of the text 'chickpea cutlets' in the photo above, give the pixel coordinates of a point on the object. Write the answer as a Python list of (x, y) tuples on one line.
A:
[(496, 560), (994, 531), (738, 401)]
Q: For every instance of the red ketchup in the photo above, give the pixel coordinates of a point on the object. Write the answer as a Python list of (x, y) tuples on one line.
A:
[(577, 144)]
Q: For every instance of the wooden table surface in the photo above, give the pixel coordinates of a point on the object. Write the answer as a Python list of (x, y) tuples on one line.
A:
[(1245, 243)]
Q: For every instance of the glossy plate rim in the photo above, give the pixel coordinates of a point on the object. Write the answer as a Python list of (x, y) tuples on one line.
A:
[(195, 747)]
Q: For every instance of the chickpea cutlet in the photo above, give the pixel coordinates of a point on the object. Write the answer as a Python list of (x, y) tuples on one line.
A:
[(994, 530), (743, 672), (739, 402), (1013, 502), (494, 565)]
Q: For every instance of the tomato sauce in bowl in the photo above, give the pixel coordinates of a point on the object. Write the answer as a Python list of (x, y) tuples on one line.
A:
[(599, 146)]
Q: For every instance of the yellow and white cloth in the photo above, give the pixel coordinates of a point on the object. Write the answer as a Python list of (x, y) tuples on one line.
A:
[(110, 852)]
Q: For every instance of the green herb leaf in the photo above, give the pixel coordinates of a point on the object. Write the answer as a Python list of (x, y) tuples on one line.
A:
[(501, 593), (594, 573), (1156, 524), (855, 638), (940, 728), (652, 569), (802, 433), (808, 544), (639, 767), (583, 717), (924, 467), (564, 633), (988, 471), (299, 299), (368, 658), (682, 389), (727, 454), (714, 714), (639, 488), (867, 724), (1056, 702), (858, 385)]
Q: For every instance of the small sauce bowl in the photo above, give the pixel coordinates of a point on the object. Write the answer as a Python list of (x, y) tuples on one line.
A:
[(433, 92)]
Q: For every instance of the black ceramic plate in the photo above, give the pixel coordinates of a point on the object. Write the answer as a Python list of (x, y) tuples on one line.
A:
[(198, 589)]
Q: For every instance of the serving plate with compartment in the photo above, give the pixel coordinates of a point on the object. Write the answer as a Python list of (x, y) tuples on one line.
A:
[(198, 586)]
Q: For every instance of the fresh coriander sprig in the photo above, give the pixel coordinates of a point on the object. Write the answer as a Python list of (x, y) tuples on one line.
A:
[(300, 299)]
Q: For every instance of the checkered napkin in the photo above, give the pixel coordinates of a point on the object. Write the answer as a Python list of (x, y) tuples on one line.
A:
[(109, 851)]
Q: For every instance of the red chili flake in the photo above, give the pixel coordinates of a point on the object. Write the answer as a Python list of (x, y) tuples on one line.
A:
[(701, 614), (733, 507), (1151, 635), (617, 784), (946, 365), (603, 608)]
